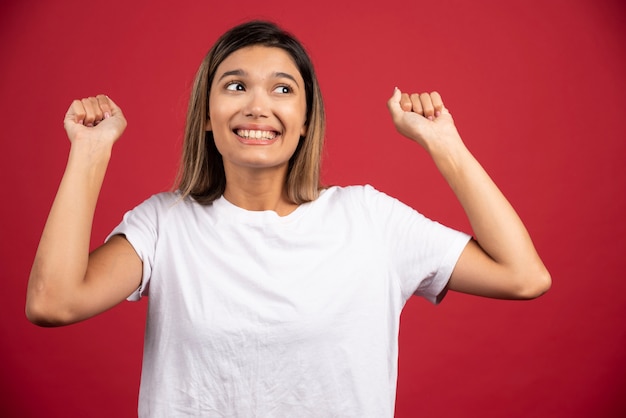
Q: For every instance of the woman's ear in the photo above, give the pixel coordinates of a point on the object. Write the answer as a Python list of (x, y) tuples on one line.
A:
[(303, 130), (208, 127)]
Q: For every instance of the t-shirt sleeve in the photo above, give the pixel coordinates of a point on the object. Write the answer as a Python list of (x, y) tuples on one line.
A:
[(139, 226), (422, 253)]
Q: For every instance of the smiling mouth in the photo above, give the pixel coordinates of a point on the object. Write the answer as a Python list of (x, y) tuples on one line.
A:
[(256, 134)]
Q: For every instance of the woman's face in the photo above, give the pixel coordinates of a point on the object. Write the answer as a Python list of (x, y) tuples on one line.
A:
[(257, 109)]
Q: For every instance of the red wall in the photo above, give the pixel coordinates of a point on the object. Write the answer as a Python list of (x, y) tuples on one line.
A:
[(537, 89)]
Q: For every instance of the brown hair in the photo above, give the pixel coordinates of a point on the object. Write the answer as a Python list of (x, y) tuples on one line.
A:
[(201, 174)]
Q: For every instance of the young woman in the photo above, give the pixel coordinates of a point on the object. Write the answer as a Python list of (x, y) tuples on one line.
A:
[(269, 294)]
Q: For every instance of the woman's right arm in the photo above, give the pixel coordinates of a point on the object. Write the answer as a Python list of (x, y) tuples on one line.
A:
[(68, 284)]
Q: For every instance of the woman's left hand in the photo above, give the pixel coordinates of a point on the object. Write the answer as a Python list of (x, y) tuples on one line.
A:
[(424, 119), (502, 262)]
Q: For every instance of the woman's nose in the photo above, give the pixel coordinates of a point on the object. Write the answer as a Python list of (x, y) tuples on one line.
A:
[(257, 105)]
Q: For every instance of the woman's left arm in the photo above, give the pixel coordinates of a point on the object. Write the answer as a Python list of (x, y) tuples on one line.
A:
[(502, 261)]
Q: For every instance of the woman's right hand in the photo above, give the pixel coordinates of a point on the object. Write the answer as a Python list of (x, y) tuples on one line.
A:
[(68, 284), (94, 119)]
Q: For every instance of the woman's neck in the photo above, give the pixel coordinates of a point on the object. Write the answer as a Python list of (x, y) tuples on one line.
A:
[(259, 190)]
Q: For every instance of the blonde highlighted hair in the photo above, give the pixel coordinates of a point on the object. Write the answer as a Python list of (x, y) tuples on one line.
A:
[(201, 174)]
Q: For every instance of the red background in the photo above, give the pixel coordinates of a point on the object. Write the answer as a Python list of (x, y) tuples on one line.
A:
[(537, 90)]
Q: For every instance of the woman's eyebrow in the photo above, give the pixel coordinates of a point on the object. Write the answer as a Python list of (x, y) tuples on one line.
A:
[(233, 72), (286, 75), (242, 73)]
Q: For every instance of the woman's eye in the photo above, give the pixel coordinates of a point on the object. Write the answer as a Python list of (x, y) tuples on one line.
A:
[(283, 89), (234, 86)]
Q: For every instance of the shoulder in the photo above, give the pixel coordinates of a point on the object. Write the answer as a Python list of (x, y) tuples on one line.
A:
[(364, 195), (363, 203), (157, 214), (352, 192), (157, 208), (166, 201)]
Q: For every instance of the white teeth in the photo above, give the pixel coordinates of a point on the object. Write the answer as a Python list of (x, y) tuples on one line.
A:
[(256, 134)]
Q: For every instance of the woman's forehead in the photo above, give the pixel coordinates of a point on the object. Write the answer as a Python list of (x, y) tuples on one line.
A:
[(259, 59)]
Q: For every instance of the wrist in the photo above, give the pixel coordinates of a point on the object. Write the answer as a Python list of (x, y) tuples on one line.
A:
[(88, 156), (448, 152)]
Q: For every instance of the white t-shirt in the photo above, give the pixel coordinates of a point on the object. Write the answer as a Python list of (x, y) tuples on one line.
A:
[(255, 315)]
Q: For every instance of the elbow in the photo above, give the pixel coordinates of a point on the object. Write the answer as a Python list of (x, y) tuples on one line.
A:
[(35, 316), (38, 316), (534, 284), (48, 302), (46, 310), (43, 316)]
